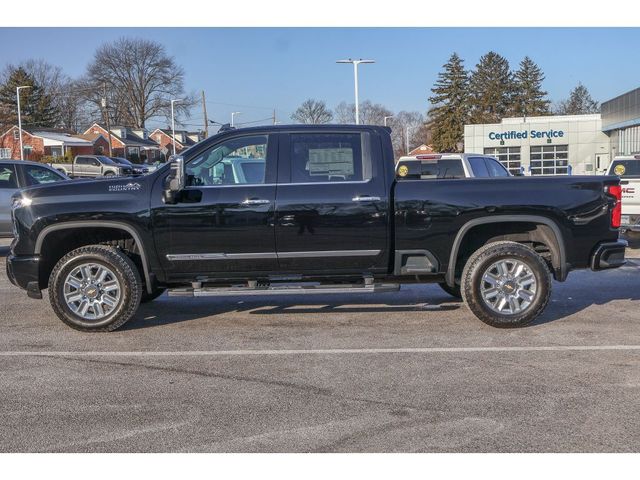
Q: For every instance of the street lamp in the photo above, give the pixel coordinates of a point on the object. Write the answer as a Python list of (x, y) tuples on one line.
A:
[(385, 119), (355, 81), (173, 127), (233, 114), (407, 132), (20, 118)]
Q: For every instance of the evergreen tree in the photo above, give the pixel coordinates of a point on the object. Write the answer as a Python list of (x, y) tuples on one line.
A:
[(450, 107), (491, 88), (578, 103), (36, 107), (529, 99)]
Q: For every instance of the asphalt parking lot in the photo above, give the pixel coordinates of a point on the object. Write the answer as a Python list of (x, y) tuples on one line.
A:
[(399, 372)]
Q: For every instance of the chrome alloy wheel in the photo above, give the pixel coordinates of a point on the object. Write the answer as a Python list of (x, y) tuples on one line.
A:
[(92, 291), (508, 286)]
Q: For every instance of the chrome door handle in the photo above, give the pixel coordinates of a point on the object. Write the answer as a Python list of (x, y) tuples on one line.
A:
[(256, 201), (365, 198)]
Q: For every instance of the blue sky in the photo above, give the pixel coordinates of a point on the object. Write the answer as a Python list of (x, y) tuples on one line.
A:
[(256, 69)]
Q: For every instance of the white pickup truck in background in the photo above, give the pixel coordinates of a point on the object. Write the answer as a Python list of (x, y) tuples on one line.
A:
[(628, 169)]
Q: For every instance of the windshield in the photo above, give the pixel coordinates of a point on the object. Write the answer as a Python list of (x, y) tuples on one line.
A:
[(121, 161), (106, 160), (625, 168)]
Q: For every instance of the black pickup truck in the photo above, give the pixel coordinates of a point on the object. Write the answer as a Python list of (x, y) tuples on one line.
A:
[(310, 210)]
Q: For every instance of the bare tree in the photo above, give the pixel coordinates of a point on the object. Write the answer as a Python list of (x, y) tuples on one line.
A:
[(312, 111), (141, 80), (370, 113), (407, 122)]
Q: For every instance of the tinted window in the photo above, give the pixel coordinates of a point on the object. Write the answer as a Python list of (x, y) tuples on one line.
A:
[(626, 168), (8, 177), (224, 164), (479, 167), (82, 161), (327, 157), (448, 169), (253, 171), (495, 168), (35, 175)]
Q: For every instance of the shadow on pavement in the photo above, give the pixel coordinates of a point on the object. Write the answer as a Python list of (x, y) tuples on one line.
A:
[(154, 315)]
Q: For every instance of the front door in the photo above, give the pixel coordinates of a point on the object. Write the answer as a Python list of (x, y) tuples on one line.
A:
[(223, 225), (332, 204)]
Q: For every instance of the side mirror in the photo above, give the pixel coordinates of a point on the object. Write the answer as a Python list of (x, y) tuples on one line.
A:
[(175, 181)]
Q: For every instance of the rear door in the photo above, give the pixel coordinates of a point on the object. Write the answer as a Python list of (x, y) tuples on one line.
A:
[(332, 203), (80, 166)]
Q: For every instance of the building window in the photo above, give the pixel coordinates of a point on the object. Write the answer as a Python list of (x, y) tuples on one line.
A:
[(550, 160), (16, 134), (5, 153), (508, 156)]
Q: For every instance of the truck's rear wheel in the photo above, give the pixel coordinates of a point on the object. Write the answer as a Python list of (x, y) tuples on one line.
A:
[(506, 284), (96, 288)]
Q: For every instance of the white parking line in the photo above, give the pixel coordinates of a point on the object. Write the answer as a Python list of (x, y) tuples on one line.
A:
[(335, 351)]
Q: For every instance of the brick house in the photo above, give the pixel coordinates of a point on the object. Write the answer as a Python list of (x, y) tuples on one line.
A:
[(38, 143), (421, 150), (183, 139), (131, 143)]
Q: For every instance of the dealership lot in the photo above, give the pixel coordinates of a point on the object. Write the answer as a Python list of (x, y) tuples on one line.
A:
[(406, 371)]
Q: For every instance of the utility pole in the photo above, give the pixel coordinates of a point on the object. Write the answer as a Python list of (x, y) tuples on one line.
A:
[(173, 127), (106, 115), (274, 116), (206, 119)]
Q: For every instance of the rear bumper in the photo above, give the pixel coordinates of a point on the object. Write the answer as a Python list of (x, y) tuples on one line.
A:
[(23, 272), (632, 224), (608, 255)]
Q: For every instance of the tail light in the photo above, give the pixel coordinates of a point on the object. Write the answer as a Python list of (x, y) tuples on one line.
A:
[(616, 213)]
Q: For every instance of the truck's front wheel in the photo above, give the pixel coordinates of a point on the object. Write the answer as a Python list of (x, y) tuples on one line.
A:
[(506, 284), (95, 288)]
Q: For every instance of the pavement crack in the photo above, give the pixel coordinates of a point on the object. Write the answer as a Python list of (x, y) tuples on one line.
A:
[(325, 392)]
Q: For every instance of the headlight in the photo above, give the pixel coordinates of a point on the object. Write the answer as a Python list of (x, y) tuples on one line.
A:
[(19, 202)]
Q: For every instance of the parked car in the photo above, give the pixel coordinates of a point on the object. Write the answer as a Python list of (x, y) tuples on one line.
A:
[(135, 168), (325, 213), (92, 166), (628, 169), (16, 174), (450, 165)]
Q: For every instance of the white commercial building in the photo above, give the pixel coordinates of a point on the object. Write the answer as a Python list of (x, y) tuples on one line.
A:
[(552, 145)]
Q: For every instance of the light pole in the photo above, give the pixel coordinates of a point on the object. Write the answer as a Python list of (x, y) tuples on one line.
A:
[(355, 81), (385, 119), (233, 114), (20, 118), (408, 127), (173, 127)]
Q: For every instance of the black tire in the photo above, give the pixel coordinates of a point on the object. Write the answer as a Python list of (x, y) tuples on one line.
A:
[(481, 262), (125, 276), (109, 174), (453, 291), (149, 297)]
